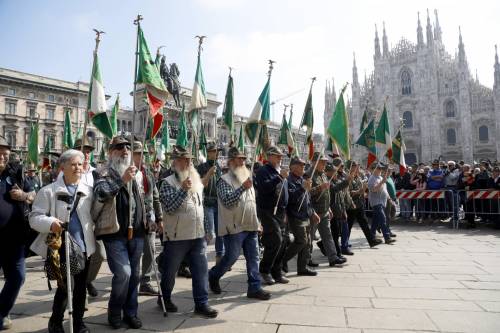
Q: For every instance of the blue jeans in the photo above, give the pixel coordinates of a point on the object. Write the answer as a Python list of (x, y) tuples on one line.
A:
[(247, 240), (378, 221), (194, 250), (212, 227), (345, 233), (14, 271), (124, 257)]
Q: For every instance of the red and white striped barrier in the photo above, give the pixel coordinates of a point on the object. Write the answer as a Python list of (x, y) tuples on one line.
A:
[(483, 194), (420, 194)]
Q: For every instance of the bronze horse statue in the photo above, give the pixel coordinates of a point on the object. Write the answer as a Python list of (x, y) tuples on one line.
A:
[(171, 79)]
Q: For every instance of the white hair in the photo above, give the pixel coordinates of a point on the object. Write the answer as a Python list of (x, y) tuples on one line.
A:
[(69, 154)]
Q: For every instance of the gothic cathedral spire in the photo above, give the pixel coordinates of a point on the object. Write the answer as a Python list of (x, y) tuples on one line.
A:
[(496, 84), (377, 45), (420, 34), (385, 44), (437, 28), (461, 49), (430, 38), (355, 82)]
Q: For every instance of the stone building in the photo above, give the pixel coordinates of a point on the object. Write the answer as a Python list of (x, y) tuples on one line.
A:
[(444, 110)]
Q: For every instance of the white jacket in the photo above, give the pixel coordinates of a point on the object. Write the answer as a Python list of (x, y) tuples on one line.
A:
[(46, 209)]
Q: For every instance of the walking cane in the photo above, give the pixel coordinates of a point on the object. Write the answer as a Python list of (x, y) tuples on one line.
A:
[(158, 281), (68, 269)]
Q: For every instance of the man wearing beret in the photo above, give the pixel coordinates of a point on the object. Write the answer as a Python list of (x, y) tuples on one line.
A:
[(272, 191), (298, 219), (238, 225)]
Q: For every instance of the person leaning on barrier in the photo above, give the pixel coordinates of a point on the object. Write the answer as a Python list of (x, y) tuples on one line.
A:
[(299, 220), (49, 214), (181, 196), (15, 196), (466, 183), (378, 196), (238, 225), (112, 210)]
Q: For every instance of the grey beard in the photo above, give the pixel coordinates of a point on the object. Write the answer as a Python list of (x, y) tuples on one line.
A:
[(119, 164), (240, 173), (193, 174)]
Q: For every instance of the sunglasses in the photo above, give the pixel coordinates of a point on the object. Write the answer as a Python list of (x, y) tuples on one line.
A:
[(120, 146)]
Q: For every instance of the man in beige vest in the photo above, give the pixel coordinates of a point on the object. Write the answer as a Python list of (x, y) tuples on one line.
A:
[(238, 224), (181, 195)]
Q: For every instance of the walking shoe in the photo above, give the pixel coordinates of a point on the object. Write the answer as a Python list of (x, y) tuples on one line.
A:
[(114, 320), (184, 272), (91, 290), (392, 235), (307, 272), (259, 294), (375, 242), (55, 326), (79, 327), (284, 266), (214, 285), (133, 322), (321, 247), (147, 289), (312, 263), (347, 252), (337, 261), (6, 323), (389, 240), (169, 306), (267, 278), (205, 311), (281, 279)]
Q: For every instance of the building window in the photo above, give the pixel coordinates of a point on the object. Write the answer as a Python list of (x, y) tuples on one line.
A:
[(451, 137), (31, 111), (450, 109), (483, 134), (405, 83), (10, 107), (11, 138), (51, 98), (130, 126), (118, 126), (74, 101), (408, 119), (11, 91), (31, 95), (50, 113)]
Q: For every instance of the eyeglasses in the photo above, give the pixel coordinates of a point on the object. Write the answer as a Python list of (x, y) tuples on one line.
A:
[(120, 146)]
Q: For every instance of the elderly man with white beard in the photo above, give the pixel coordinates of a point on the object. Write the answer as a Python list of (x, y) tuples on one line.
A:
[(181, 195), (239, 225), (111, 214)]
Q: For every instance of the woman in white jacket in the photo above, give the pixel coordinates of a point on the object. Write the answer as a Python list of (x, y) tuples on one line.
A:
[(49, 213)]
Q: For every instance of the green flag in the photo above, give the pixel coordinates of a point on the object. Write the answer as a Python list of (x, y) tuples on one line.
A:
[(398, 152), (96, 103), (79, 130), (102, 153), (182, 137), (199, 95), (228, 110), (308, 121), (33, 150), (364, 121), (165, 139), (203, 141), (68, 140), (338, 129), (383, 134), (286, 137), (260, 115), (241, 140), (46, 152), (195, 149), (367, 139), (149, 75), (113, 119)]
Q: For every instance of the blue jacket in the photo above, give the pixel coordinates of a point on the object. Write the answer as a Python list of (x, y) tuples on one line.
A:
[(268, 183), (435, 184), (296, 192)]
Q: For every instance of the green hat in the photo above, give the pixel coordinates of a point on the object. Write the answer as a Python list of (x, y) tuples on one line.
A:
[(337, 162), (274, 150), (330, 167), (235, 153), (297, 160), (88, 144), (180, 152), (349, 164), (317, 155)]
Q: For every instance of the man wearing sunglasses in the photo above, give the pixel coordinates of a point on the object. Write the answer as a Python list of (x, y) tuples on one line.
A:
[(114, 187)]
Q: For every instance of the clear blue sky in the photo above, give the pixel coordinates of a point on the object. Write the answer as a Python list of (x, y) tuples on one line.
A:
[(313, 38)]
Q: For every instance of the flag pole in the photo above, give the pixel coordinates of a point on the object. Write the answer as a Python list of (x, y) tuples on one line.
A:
[(130, 231), (312, 173), (257, 138), (98, 34)]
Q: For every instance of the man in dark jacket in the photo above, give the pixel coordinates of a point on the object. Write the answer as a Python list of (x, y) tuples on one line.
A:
[(112, 184), (298, 219), (272, 191), (15, 195)]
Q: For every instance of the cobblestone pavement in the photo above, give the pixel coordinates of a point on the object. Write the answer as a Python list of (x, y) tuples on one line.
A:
[(433, 279)]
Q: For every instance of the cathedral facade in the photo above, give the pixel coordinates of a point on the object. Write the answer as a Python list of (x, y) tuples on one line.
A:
[(443, 110)]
